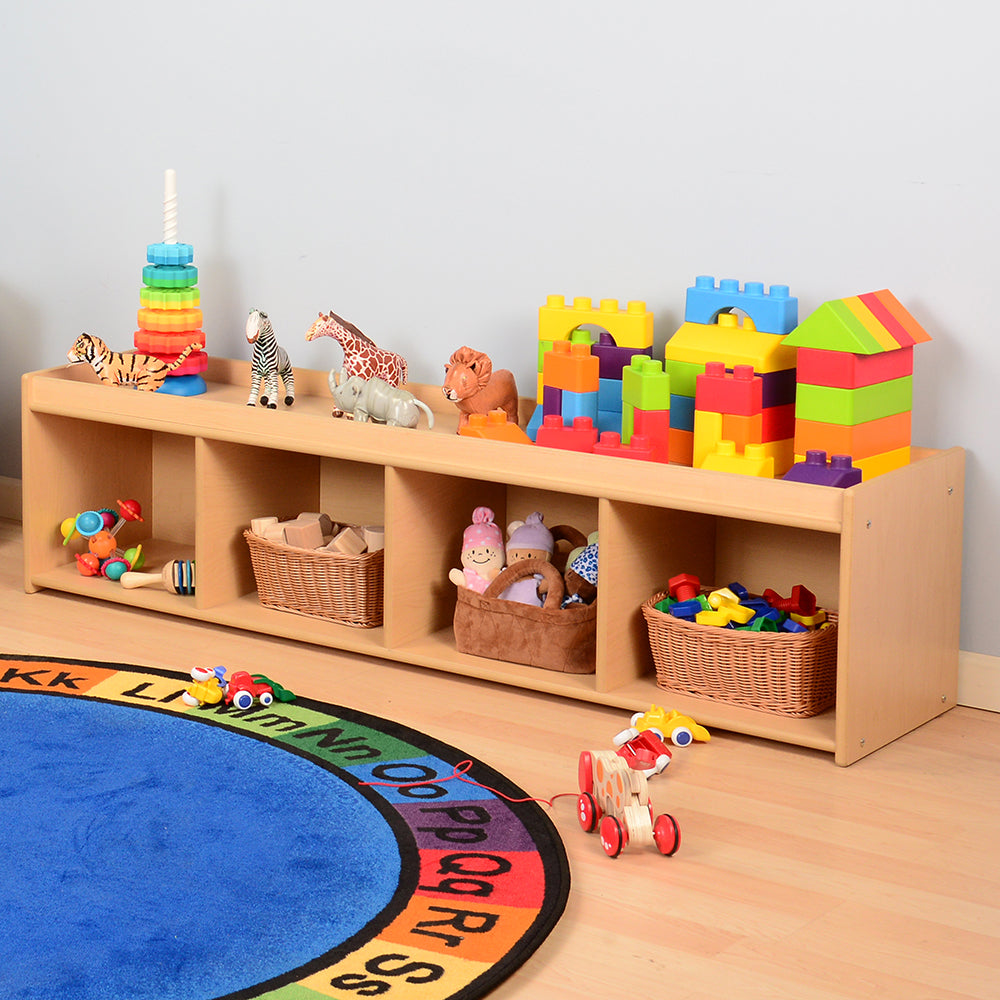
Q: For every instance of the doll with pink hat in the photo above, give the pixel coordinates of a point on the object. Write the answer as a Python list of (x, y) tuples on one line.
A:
[(528, 539), (482, 552)]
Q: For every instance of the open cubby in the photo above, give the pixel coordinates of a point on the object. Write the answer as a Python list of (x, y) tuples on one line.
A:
[(881, 553)]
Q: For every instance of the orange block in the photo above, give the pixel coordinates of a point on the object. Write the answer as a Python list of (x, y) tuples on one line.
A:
[(571, 366), (495, 426), (873, 437), (742, 430), (681, 446)]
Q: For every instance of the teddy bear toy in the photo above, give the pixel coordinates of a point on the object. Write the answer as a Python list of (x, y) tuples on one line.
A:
[(482, 552)]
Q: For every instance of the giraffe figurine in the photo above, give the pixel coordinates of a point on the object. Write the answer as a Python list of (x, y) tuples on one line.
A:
[(362, 356)]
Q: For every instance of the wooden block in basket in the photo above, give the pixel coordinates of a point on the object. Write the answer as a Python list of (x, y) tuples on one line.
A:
[(782, 673), (347, 589)]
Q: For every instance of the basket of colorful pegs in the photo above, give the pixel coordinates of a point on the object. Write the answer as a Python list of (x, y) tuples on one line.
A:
[(762, 651)]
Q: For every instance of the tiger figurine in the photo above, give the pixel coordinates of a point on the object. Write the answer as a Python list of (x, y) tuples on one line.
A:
[(125, 368)]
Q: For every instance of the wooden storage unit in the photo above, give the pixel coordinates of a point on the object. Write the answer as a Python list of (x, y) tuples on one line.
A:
[(886, 554)]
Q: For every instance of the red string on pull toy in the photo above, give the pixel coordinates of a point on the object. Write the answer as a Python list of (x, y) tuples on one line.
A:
[(459, 773)]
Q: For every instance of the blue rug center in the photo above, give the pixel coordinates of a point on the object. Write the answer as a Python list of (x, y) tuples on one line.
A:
[(162, 858)]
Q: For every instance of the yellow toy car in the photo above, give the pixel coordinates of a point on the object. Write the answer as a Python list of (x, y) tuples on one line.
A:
[(671, 725)]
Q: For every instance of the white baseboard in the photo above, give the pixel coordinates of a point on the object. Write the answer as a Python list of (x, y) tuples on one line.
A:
[(10, 498), (978, 674), (979, 681)]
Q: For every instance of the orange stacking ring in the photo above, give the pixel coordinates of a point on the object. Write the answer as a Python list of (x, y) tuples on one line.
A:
[(153, 342)]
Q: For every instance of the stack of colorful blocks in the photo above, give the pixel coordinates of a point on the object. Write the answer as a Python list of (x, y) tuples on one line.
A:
[(855, 381), (713, 334)]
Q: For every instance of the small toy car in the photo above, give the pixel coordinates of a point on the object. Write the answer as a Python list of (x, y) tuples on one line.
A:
[(614, 799), (680, 729), (209, 686), (245, 687)]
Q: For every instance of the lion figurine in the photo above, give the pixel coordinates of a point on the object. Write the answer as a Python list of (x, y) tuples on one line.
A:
[(474, 387)]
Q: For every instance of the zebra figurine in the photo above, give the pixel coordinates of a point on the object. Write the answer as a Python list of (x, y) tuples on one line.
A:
[(267, 362)]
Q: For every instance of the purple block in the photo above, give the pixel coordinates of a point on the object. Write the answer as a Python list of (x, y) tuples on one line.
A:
[(613, 358), (551, 401), (839, 472), (779, 387)]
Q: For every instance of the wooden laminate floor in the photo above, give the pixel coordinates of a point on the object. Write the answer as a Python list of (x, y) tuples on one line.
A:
[(796, 878)]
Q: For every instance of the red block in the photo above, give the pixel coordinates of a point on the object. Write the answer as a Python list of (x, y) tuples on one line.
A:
[(741, 393), (777, 423), (553, 433), (610, 443), (654, 426), (843, 370)]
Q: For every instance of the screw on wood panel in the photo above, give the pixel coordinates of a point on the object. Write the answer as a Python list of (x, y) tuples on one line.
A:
[(862, 741), (944, 699), (868, 524), (951, 489)]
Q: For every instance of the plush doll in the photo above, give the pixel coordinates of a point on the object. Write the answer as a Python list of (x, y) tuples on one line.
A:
[(581, 574), (482, 552), (528, 539)]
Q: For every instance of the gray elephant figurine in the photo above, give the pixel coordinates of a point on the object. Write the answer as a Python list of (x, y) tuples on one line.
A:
[(374, 399)]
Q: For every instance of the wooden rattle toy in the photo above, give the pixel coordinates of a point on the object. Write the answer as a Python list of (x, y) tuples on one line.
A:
[(177, 576)]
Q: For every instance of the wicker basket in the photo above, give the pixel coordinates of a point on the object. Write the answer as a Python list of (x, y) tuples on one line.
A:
[(778, 672), (318, 583)]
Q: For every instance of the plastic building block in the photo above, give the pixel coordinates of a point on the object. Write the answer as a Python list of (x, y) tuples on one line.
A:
[(873, 437), (782, 452), (810, 621), (610, 443), (742, 430), (578, 404), (866, 324), (613, 358), (773, 311), (581, 435), (778, 423), (494, 426), (682, 412), (570, 366), (779, 387), (654, 426), (732, 343), (630, 327), (851, 371), (791, 625), (551, 400), (877, 465), (645, 385), (608, 420), (802, 600), (684, 587), (609, 395), (682, 375), (815, 469), (707, 435), (681, 446), (741, 393), (753, 461), (854, 406)]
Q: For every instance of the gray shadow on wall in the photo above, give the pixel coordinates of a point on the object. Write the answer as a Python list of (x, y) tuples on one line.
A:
[(21, 351)]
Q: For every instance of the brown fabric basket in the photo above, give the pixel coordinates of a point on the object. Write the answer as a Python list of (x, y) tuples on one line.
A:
[(550, 637), (778, 672), (318, 583)]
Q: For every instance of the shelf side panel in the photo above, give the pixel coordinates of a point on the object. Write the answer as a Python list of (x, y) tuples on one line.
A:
[(900, 603)]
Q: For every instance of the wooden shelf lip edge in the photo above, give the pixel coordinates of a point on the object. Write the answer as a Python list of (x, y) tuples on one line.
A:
[(679, 487)]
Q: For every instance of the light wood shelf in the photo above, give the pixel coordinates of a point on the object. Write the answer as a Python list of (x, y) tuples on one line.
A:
[(880, 553)]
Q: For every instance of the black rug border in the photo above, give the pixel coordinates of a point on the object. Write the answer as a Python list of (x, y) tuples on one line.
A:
[(555, 863)]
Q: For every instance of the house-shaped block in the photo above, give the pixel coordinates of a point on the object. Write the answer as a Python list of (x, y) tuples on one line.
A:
[(855, 385)]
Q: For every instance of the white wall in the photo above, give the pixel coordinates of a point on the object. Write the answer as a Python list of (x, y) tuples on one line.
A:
[(433, 170)]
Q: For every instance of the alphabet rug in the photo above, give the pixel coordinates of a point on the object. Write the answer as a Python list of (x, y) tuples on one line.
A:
[(295, 851)]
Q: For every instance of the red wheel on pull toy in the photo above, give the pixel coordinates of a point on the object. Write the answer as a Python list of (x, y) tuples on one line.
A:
[(614, 836), (585, 771), (588, 812), (666, 835)]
